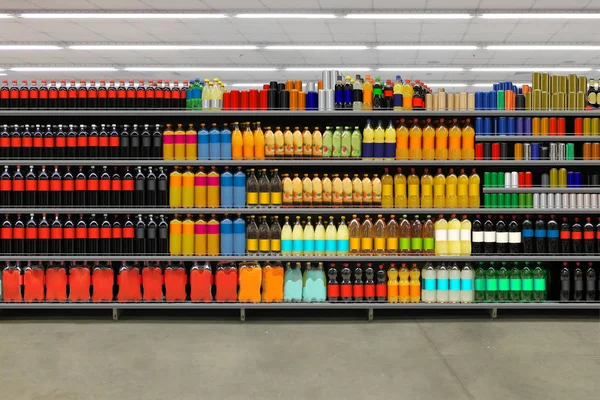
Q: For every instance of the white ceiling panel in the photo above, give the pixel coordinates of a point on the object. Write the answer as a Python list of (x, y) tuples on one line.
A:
[(513, 5)]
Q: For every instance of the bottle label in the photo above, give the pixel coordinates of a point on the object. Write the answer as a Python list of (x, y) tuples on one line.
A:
[(264, 245), (453, 235), (387, 190), (539, 284), (514, 237), (477, 236), (404, 244), (554, 234), (213, 229), (275, 245), (416, 243), (515, 285), (264, 198), (343, 246), (319, 245), (251, 198), (527, 284), (275, 198), (455, 284), (428, 284), (428, 244), (491, 284), (502, 237), (574, 235), (426, 190), (286, 246), (309, 246), (440, 234), (466, 284), (504, 284), (200, 229), (465, 235), (413, 190), (252, 244), (330, 246), (298, 246), (442, 284), (480, 284), (586, 235), (400, 190), (489, 237), (527, 233)]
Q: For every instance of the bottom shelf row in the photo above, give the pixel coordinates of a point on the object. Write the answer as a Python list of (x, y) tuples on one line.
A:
[(272, 282)]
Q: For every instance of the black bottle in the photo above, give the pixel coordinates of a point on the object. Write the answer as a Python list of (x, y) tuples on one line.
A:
[(105, 236), (56, 235), (369, 283), (6, 234), (60, 142), (38, 143), (125, 145), (128, 186), (146, 143), (590, 283), (15, 143), (157, 142), (26, 143), (514, 236), (5, 187), (162, 197), (116, 245), (380, 288), (31, 236), (565, 283), (597, 232), (103, 143), (358, 288), (31, 187), (55, 188), (5, 140), (71, 142), (151, 188), (80, 192), (576, 237), (128, 235), (489, 236), (82, 142), (577, 283), (527, 234), (501, 236), (93, 185), (339, 94), (589, 241), (151, 235), (19, 237), (18, 187), (565, 236), (135, 143), (69, 236), (540, 236), (68, 188), (44, 236), (140, 188), (93, 235), (162, 246), (114, 143), (553, 236), (43, 188), (140, 236), (81, 234), (477, 236), (115, 188), (346, 284), (93, 149), (104, 188)]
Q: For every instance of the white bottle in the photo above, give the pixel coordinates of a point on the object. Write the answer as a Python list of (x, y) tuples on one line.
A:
[(466, 284), (442, 284), (454, 294), (428, 274)]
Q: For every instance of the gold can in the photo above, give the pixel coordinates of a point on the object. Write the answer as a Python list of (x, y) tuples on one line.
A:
[(581, 83), (562, 84), (571, 101), (572, 83), (561, 101), (554, 103), (528, 105), (429, 101), (587, 126), (518, 151), (536, 80), (595, 126), (545, 82), (471, 101), (537, 99), (554, 83), (545, 104)]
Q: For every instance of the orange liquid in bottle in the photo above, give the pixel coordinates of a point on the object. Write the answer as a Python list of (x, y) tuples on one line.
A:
[(248, 143), (237, 143), (250, 281)]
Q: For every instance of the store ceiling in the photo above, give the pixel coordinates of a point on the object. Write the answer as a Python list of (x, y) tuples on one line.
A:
[(261, 32)]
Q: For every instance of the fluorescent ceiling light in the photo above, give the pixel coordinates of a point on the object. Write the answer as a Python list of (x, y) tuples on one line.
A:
[(318, 69), (287, 16), (28, 47), (421, 69), (120, 16), (530, 69), (161, 47), (566, 15), (409, 16), (446, 84), (2, 74), (428, 47), (62, 69), (247, 85), (543, 47), (316, 47), (200, 69), (6, 16)]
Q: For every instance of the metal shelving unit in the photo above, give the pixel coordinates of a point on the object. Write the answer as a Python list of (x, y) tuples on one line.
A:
[(517, 138), (543, 190)]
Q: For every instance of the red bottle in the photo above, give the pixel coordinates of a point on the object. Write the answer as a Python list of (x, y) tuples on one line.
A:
[(6, 236), (42, 95), (24, 95), (63, 95), (56, 282), (333, 285), (159, 98), (14, 95), (346, 284), (33, 283), (369, 283), (167, 95), (153, 281), (140, 95), (149, 103), (34, 95), (80, 281), (175, 282), (226, 283), (56, 236), (358, 287), (129, 281), (103, 280), (53, 95), (12, 282), (112, 95), (72, 94), (122, 95), (82, 95), (4, 95), (201, 282), (183, 95), (92, 95), (102, 95), (131, 93), (380, 285), (175, 95)]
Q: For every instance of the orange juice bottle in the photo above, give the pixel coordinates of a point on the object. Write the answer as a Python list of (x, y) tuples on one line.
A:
[(354, 234), (400, 190), (380, 234), (429, 141), (468, 141), (402, 134), (298, 142), (169, 143), (366, 235), (414, 200), (327, 190), (175, 231), (391, 235), (455, 134), (307, 191), (426, 189), (357, 191), (279, 143), (441, 141), (179, 143), (416, 135), (237, 143), (451, 190), (367, 191), (297, 190), (250, 280), (348, 191), (439, 190), (212, 236), (200, 183), (213, 192), (187, 236), (317, 143), (272, 283), (248, 143), (288, 190), (200, 239), (175, 186), (393, 286), (187, 188), (288, 142), (191, 143), (307, 145), (337, 190), (269, 142), (259, 143), (317, 188)]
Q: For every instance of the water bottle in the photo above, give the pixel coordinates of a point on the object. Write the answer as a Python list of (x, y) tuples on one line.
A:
[(239, 189), (226, 236), (214, 143), (225, 143), (239, 236), (226, 189)]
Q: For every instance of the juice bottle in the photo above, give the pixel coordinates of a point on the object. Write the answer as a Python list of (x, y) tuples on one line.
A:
[(400, 199), (337, 190), (327, 190), (272, 283), (314, 286), (251, 189), (347, 191), (451, 190), (327, 142), (331, 238), (428, 236), (441, 236), (278, 142), (213, 180), (249, 283), (259, 143), (398, 91), (392, 230), (379, 141), (226, 239), (415, 284), (213, 236), (462, 189), (455, 134), (288, 191), (346, 142), (380, 235), (387, 190), (367, 191), (187, 236), (169, 143), (298, 238), (468, 141), (264, 188), (175, 231), (357, 190), (187, 188), (405, 235), (286, 237), (269, 142), (317, 191), (474, 196), (175, 188), (439, 190), (336, 142), (309, 238), (264, 236), (426, 189), (307, 143), (407, 95), (368, 139), (200, 188), (237, 143), (356, 140), (376, 183), (252, 236), (248, 143), (465, 236), (416, 236), (317, 143), (354, 232), (191, 143), (276, 189), (342, 243), (298, 142), (292, 286), (288, 142), (320, 237), (275, 243), (404, 284), (307, 191), (402, 134), (393, 287), (200, 236), (454, 236), (415, 146), (367, 91), (413, 182), (179, 147), (357, 94), (390, 142), (441, 141), (429, 141), (297, 190)]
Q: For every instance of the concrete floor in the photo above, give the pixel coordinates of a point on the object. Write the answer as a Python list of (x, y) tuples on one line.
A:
[(424, 358)]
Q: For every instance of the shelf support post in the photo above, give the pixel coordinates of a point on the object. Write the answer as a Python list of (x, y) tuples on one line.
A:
[(494, 313), (116, 314), (242, 314), (370, 315)]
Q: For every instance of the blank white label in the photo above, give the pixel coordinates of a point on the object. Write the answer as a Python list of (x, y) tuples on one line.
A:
[(489, 237), (478, 237), (501, 237)]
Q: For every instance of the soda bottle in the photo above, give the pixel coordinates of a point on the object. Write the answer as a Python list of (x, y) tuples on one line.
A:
[(597, 232), (369, 283), (139, 194), (455, 136), (451, 189), (413, 182), (157, 143), (127, 188), (402, 138), (441, 141), (588, 236), (400, 200), (540, 235), (405, 235), (576, 237), (116, 236), (93, 235), (26, 143), (590, 284), (489, 236), (539, 283), (465, 236), (565, 283), (54, 194), (515, 284), (426, 189), (415, 136), (463, 190), (104, 188), (527, 283), (480, 284), (6, 236), (466, 284), (468, 141), (578, 283), (415, 284), (527, 233), (103, 142), (393, 286), (514, 236), (416, 236), (6, 187), (503, 284), (565, 236), (501, 236), (474, 196), (129, 236), (114, 143), (16, 142), (429, 141)]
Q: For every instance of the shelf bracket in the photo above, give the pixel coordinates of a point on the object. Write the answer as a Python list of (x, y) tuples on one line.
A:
[(494, 313), (242, 314), (370, 315), (116, 314)]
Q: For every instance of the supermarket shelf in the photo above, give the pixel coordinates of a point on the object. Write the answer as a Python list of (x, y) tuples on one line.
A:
[(516, 138), (543, 190)]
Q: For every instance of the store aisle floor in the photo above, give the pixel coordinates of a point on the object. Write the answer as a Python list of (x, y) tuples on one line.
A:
[(418, 358)]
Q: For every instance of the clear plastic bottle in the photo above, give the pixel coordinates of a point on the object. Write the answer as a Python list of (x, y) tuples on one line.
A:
[(455, 134), (387, 190), (252, 235), (342, 237), (252, 189), (413, 182), (465, 236), (429, 236), (366, 236), (441, 141), (442, 292), (402, 137), (264, 236), (454, 236), (474, 192), (416, 136), (426, 189), (400, 199), (320, 243), (330, 238), (405, 235), (404, 280), (286, 237), (466, 284), (416, 236), (354, 234), (275, 243), (309, 238), (441, 236), (454, 284), (264, 189), (298, 238), (429, 141), (415, 284), (276, 189), (491, 284), (439, 190), (468, 141), (503, 283), (451, 190), (428, 292), (539, 282), (462, 189), (392, 230), (380, 235)]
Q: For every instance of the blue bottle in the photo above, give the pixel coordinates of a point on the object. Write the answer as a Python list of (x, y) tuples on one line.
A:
[(215, 143), (226, 236), (203, 145), (225, 143), (226, 188), (314, 284), (292, 286), (239, 236), (239, 189)]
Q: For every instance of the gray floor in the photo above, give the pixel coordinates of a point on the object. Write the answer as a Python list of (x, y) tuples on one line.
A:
[(426, 358)]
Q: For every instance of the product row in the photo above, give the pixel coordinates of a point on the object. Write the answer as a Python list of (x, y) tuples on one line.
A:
[(543, 201), (535, 126), (555, 178), (578, 282)]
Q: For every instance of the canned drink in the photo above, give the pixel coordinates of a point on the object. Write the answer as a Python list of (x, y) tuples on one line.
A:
[(570, 151), (557, 200), (561, 151), (545, 180), (535, 151), (526, 151), (594, 200), (553, 151), (579, 200), (507, 180), (544, 153), (514, 179), (543, 201), (587, 200), (536, 200), (550, 201), (572, 200), (322, 106)]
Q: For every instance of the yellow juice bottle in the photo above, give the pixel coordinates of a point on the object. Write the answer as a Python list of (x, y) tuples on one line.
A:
[(168, 143), (327, 190), (286, 237), (398, 91), (213, 193), (415, 284), (347, 191), (175, 188), (357, 190), (455, 135), (248, 143), (309, 238), (297, 190), (376, 184), (393, 287), (307, 191), (354, 234), (288, 142), (451, 190), (366, 235), (441, 236), (414, 200), (187, 236), (298, 142), (463, 189), (404, 284), (200, 183), (402, 134), (400, 199), (439, 190), (269, 142), (180, 142), (380, 235), (367, 191), (391, 235), (441, 141), (337, 191), (288, 191), (175, 231), (307, 144), (331, 238), (317, 191), (415, 144), (213, 236), (342, 242), (259, 143), (387, 189), (298, 238), (237, 143), (379, 141), (474, 193), (390, 141), (465, 236), (317, 143), (279, 143), (200, 238), (368, 141), (468, 141), (454, 236), (426, 189), (191, 143), (429, 141), (187, 188), (407, 95)]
